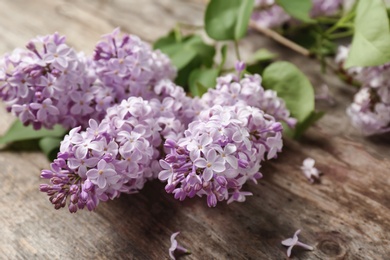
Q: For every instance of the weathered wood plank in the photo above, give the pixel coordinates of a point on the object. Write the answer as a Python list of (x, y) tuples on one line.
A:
[(346, 216)]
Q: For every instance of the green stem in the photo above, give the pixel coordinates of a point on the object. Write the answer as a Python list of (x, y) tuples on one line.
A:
[(236, 48), (177, 32), (341, 23), (340, 35), (327, 20), (190, 26), (280, 39), (228, 70)]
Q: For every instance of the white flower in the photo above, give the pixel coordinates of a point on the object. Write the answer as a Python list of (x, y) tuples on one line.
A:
[(309, 170)]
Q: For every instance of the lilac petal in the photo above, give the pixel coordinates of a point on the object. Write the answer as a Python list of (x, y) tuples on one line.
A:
[(101, 182), (92, 173), (211, 155), (288, 242), (164, 165), (62, 62), (102, 164), (289, 251), (200, 163), (230, 148), (271, 154), (231, 173), (109, 173), (296, 234), (73, 163), (35, 106), (205, 140), (96, 146), (75, 109), (308, 163), (232, 161), (53, 110), (63, 49), (91, 162), (305, 246), (207, 174), (164, 175), (173, 237), (81, 152), (51, 47), (93, 124), (41, 115), (218, 167)]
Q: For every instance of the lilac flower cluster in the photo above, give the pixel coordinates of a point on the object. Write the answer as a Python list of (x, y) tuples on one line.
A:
[(221, 150), (233, 126), (230, 131), (115, 156), (230, 91), (270, 15), (129, 66), (49, 83), (370, 110)]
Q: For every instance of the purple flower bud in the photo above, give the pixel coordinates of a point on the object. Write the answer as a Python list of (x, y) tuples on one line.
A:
[(221, 181), (91, 205), (44, 187), (170, 144), (72, 208), (74, 198), (171, 158), (56, 180), (84, 196), (46, 174), (243, 163), (73, 189), (58, 198), (31, 46), (170, 188), (56, 72), (240, 66), (211, 200)]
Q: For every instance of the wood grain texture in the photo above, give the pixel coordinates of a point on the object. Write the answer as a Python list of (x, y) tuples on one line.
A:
[(346, 216)]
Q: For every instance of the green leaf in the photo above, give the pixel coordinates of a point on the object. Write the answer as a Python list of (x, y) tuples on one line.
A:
[(223, 58), (228, 19), (50, 146), (262, 55), (299, 9), (184, 73), (165, 41), (202, 79), (295, 89), (19, 132), (371, 40), (186, 55), (204, 51)]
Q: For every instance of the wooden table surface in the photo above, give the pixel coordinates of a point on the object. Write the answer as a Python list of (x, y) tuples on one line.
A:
[(346, 216)]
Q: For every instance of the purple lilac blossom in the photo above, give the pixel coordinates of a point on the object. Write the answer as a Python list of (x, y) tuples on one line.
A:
[(326, 8), (46, 84), (311, 173), (115, 156), (370, 109), (222, 149), (130, 66), (49, 83), (175, 248), (294, 241), (270, 15), (230, 90)]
